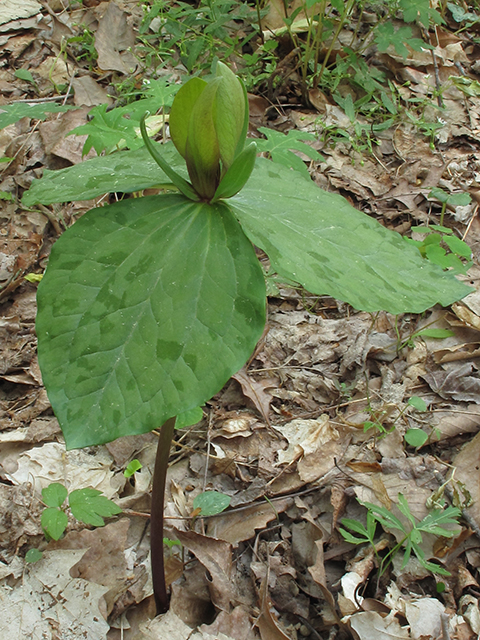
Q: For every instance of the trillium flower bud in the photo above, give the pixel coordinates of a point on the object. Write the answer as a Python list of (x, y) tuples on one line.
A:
[(208, 126)]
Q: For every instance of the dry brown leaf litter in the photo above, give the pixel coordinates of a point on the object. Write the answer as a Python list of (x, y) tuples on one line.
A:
[(289, 427)]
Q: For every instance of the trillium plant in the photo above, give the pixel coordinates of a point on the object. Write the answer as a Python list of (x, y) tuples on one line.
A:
[(149, 305)]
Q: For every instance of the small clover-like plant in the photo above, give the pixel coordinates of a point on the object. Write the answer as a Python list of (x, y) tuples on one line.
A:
[(411, 534), (86, 505), (149, 305)]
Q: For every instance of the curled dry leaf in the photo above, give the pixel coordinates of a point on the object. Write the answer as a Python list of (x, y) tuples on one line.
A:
[(216, 556)]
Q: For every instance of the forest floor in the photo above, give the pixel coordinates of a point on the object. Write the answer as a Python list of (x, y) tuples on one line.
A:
[(324, 416)]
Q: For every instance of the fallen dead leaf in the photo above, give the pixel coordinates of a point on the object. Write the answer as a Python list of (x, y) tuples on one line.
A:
[(255, 391), (241, 524), (48, 593), (114, 40), (216, 556), (467, 464)]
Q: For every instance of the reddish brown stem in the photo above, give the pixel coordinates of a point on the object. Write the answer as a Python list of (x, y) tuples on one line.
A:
[(156, 515)]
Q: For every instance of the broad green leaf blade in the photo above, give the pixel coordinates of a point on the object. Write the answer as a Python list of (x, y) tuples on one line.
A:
[(147, 307), (189, 418), (54, 522), (89, 505), (211, 502), (54, 495), (319, 240), (181, 112), (125, 172), (238, 174)]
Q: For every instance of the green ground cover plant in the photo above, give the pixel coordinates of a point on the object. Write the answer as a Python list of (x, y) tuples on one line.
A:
[(86, 505), (149, 305), (411, 532)]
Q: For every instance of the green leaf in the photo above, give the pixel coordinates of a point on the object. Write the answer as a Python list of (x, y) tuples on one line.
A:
[(416, 437), (439, 194), (10, 113), (146, 308), (319, 240), (24, 74), (54, 522), (278, 145), (54, 495), (125, 172), (384, 517), (459, 199), (431, 523), (181, 112), (133, 466), (238, 174), (458, 246), (111, 128), (349, 537), (188, 418), (420, 11), (33, 555), (211, 502), (356, 526), (418, 403), (89, 505), (437, 334), (405, 509)]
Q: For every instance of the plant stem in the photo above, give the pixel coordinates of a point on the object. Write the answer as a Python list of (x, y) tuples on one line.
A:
[(156, 515)]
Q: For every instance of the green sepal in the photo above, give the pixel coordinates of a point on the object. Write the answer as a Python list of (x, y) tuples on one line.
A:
[(182, 185), (202, 149), (181, 112), (243, 134), (238, 174), (229, 114)]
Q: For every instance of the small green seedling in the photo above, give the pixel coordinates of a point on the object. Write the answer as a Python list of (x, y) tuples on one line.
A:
[(86, 505), (412, 533), (379, 416), (149, 305), (441, 247), (132, 467), (452, 199), (416, 437)]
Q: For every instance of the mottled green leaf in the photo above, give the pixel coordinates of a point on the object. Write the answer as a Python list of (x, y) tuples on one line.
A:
[(147, 307), (125, 171), (319, 240)]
